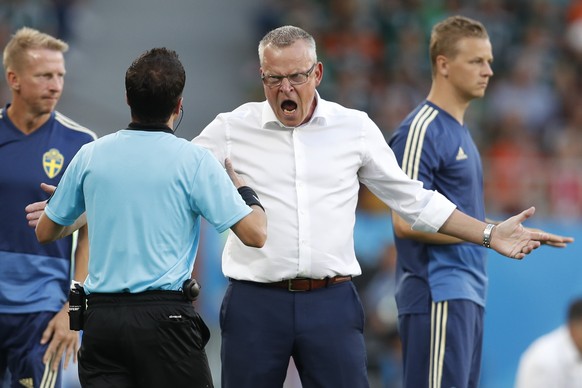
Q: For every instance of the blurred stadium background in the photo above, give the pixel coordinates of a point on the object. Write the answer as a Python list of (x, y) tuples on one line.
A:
[(528, 127)]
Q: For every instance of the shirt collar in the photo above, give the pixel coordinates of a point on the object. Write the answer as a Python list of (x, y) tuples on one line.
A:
[(150, 127), (270, 121)]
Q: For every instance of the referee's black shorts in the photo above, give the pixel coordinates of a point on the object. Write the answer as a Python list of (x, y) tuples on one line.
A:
[(151, 339)]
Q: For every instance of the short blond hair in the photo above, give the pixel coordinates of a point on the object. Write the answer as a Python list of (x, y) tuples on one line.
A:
[(446, 34), (25, 39)]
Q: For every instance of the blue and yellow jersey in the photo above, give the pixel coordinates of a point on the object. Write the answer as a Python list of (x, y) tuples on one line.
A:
[(33, 277), (433, 147)]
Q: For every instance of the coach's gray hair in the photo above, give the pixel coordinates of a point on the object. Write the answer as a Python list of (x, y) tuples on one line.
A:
[(286, 36)]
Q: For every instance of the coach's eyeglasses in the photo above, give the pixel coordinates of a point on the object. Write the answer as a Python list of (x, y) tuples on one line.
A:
[(294, 79)]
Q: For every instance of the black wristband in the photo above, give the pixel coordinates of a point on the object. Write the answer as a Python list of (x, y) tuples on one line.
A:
[(249, 196)]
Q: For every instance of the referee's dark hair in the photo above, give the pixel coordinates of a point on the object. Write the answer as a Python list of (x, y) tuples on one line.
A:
[(575, 310), (154, 84)]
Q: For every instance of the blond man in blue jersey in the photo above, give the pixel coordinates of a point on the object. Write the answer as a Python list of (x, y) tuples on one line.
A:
[(442, 280), (37, 143)]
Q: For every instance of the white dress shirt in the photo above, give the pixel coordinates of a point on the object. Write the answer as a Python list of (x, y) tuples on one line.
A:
[(551, 361), (307, 178)]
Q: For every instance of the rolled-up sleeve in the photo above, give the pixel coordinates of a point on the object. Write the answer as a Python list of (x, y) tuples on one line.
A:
[(434, 214), (426, 210)]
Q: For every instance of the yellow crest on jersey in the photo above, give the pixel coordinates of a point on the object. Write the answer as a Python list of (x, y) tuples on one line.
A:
[(52, 162), (28, 382)]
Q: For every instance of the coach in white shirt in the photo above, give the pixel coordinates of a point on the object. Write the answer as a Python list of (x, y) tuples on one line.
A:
[(555, 359), (306, 157)]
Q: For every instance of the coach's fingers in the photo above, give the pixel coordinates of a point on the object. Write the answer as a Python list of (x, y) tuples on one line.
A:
[(236, 179), (554, 240)]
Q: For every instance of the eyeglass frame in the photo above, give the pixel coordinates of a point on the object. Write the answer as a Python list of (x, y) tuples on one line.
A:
[(280, 78)]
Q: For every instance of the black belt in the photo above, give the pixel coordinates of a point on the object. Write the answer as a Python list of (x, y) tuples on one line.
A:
[(127, 297), (301, 284)]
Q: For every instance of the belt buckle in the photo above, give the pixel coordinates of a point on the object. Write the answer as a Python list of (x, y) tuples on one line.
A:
[(290, 285)]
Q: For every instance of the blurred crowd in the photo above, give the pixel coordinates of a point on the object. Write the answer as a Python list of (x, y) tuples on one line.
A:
[(375, 54), (529, 125)]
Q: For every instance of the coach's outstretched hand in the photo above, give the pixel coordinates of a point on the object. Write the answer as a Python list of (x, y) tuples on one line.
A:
[(510, 238), (554, 240)]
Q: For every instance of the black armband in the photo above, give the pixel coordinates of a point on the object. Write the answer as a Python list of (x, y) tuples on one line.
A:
[(249, 196)]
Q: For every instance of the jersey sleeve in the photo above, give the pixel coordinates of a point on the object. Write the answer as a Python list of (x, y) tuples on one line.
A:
[(416, 152), (68, 202), (215, 197)]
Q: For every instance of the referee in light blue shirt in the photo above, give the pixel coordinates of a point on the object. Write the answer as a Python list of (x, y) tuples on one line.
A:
[(143, 191)]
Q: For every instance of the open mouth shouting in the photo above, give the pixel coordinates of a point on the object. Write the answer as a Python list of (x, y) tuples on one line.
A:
[(288, 107)]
